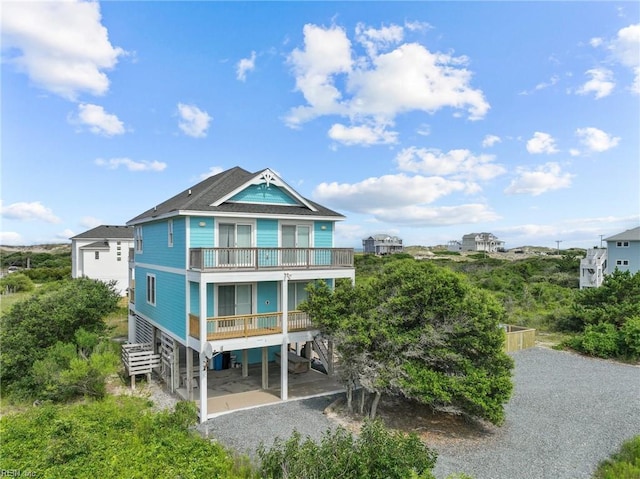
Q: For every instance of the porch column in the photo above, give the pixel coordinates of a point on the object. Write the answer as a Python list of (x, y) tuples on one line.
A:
[(245, 363), (204, 361), (175, 366), (284, 348), (189, 373), (265, 367)]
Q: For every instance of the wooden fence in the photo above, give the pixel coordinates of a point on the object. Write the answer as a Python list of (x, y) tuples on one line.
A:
[(518, 337), (139, 359)]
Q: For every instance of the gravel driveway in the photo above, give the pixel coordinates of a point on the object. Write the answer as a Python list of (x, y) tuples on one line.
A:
[(566, 415)]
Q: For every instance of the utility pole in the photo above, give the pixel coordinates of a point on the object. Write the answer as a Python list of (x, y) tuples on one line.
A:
[(558, 243), (601, 236)]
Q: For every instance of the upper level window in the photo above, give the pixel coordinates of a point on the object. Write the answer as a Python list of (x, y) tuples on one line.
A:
[(622, 262), (622, 244), (151, 289), (97, 254), (170, 232), (138, 239)]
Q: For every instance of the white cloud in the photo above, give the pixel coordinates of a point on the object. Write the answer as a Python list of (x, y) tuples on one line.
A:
[(245, 65), (596, 42), (23, 211), (373, 39), (416, 215), (193, 121), (89, 222), (490, 140), (626, 49), (362, 135), (424, 130), (114, 163), (214, 170), (389, 191), (402, 199), (540, 180), (601, 83), (597, 140), (459, 164), (10, 238), (386, 80), (61, 46), (541, 143), (574, 152), (65, 234), (99, 121), (541, 86), (626, 46)]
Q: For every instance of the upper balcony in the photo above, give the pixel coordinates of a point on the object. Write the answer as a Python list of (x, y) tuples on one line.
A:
[(253, 259)]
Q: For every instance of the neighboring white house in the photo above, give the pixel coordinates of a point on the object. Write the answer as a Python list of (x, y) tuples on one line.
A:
[(593, 267), (454, 246), (623, 251), (103, 253), (481, 242), (382, 244)]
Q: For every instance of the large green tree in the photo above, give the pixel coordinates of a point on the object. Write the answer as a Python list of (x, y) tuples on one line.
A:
[(421, 332)]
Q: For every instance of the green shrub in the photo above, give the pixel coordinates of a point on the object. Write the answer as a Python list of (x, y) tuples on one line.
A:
[(16, 283), (111, 439), (630, 335), (376, 454), (623, 465), (602, 340)]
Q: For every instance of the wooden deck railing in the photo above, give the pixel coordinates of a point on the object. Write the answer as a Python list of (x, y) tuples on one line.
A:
[(518, 337), (243, 326), (207, 259)]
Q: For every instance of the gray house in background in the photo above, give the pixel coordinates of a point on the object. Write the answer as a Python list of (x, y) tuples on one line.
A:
[(623, 251), (482, 242), (382, 244)]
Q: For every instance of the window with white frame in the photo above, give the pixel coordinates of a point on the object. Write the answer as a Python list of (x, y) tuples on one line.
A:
[(151, 289), (622, 244), (235, 300), (138, 239), (170, 232), (296, 294), (97, 255), (622, 262)]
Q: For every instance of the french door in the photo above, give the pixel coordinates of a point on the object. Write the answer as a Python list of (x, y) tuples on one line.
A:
[(234, 300), (235, 243), (296, 240)]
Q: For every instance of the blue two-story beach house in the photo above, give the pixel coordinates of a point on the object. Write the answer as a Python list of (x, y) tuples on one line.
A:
[(218, 270)]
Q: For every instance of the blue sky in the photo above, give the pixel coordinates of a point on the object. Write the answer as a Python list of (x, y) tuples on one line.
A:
[(426, 120)]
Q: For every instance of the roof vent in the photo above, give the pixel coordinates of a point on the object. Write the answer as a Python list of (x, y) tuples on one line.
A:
[(189, 193)]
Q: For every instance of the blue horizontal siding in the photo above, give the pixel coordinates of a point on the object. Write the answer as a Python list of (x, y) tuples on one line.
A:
[(263, 194), (201, 232), (155, 244), (170, 308)]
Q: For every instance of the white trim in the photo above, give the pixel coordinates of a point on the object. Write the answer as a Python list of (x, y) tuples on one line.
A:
[(224, 214), (170, 232), (151, 286), (259, 179), (164, 269), (271, 275)]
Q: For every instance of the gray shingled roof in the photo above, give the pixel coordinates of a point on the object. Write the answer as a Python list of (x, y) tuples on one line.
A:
[(630, 235), (107, 232), (199, 197), (97, 245)]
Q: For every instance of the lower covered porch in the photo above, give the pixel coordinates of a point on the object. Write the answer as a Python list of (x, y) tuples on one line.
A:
[(228, 390)]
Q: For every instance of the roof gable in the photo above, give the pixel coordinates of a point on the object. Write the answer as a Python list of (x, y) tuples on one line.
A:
[(229, 193), (629, 235), (263, 181)]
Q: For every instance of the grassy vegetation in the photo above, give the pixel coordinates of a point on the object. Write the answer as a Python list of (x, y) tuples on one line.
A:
[(117, 321), (625, 464), (8, 300)]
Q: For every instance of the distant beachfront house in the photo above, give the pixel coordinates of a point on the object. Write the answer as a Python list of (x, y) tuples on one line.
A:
[(381, 244), (593, 267), (481, 242), (102, 253), (622, 253), (454, 246)]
